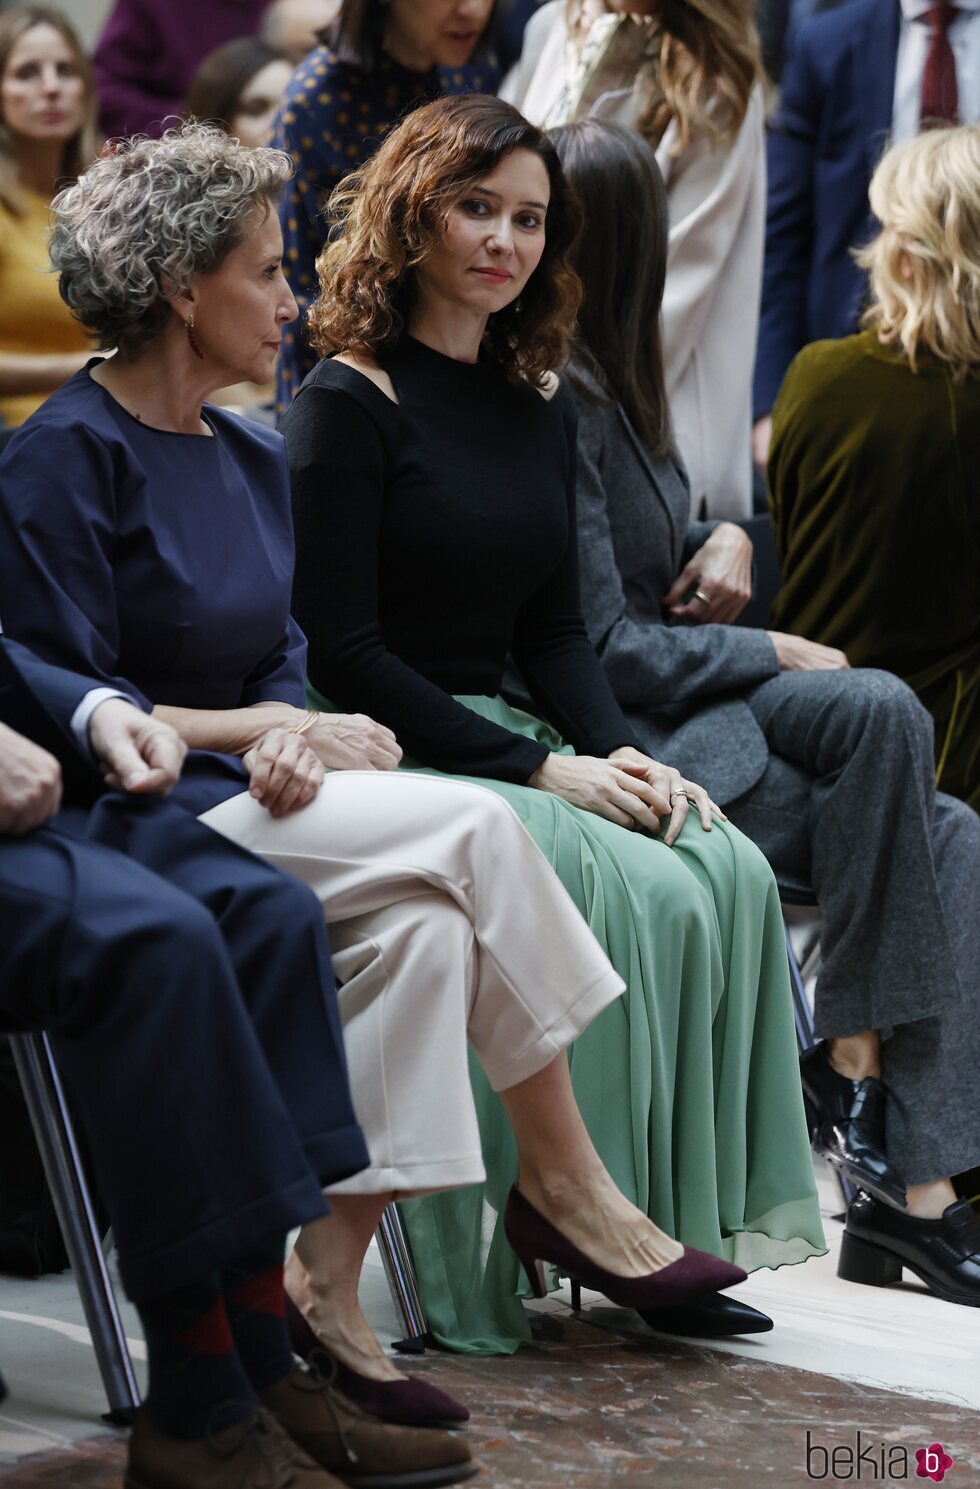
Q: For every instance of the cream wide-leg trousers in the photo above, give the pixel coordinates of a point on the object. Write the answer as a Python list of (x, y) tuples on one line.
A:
[(447, 924)]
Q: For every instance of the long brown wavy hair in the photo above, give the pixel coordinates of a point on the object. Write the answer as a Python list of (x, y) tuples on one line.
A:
[(80, 150), (708, 61), (390, 215)]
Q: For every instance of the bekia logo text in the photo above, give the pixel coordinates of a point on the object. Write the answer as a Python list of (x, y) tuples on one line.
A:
[(871, 1462)]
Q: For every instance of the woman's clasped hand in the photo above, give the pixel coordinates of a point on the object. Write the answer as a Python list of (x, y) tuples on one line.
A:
[(628, 788), (287, 765)]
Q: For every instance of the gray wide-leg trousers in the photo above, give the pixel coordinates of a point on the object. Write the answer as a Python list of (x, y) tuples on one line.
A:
[(847, 809)]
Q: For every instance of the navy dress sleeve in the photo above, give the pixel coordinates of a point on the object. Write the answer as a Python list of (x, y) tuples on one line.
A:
[(58, 494), (155, 563)]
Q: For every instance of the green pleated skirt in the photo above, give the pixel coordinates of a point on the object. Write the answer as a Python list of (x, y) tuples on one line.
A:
[(689, 1084)]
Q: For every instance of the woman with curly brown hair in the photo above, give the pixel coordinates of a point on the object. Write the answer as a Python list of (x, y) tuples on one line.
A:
[(432, 457), (686, 74)]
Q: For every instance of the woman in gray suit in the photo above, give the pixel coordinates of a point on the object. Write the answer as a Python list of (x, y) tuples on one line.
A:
[(829, 770)]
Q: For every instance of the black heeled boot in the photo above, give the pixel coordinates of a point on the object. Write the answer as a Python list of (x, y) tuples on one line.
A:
[(879, 1241), (848, 1125)]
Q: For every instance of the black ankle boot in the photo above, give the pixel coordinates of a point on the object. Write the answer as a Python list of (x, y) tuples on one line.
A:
[(848, 1125), (879, 1241)]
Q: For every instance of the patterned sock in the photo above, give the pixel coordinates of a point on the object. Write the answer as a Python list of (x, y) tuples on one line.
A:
[(256, 1303), (193, 1367)]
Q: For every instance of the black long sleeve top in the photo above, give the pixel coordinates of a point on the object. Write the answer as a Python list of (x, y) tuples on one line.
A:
[(434, 536)]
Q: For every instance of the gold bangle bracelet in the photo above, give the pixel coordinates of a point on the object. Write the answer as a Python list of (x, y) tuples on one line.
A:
[(305, 723)]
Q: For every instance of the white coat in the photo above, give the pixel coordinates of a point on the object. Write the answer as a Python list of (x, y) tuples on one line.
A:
[(717, 200)]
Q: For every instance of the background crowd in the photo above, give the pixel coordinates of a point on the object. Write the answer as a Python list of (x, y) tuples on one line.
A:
[(614, 308)]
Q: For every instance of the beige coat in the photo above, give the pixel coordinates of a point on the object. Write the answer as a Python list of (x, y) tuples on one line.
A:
[(717, 197)]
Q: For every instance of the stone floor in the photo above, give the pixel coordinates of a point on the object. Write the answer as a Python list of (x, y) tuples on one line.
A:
[(589, 1407), (598, 1400)]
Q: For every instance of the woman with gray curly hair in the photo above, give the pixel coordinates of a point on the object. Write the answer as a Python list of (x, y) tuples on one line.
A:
[(147, 539)]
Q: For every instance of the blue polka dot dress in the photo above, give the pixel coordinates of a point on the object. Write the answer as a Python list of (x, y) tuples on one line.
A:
[(334, 116)]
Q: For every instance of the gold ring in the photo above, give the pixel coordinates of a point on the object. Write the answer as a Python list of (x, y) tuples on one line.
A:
[(699, 594)]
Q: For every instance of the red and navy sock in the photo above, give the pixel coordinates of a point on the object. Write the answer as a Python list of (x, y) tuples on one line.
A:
[(197, 1383), (256, 1303)]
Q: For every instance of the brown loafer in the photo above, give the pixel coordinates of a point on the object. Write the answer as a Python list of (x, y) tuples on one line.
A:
[(253, 1454), (360, 1450)]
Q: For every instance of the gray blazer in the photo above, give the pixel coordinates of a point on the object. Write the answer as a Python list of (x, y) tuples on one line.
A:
[(680, 686)]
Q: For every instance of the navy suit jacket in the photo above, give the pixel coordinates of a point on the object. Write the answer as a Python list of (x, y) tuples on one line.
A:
[(38, 700), (832, 125)]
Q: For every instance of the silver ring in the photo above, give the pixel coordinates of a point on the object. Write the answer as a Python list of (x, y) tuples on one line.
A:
[(685, 794)]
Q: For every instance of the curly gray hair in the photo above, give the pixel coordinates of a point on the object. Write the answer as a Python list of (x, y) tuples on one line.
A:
[(150, 209)]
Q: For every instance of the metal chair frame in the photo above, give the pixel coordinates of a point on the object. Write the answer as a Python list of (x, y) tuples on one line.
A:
[(62, 1162), (806, 1037), (61, 1158)]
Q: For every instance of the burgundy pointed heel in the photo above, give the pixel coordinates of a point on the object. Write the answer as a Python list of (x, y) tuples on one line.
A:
[(532, 1236), (403, 1403)]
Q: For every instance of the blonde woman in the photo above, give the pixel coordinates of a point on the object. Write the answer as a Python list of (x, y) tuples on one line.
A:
[(875, 452), (47, 135), (687, 77)]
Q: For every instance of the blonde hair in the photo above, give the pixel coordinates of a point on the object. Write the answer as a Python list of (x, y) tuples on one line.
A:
[(706, 64), (925, 262), (80, 150)]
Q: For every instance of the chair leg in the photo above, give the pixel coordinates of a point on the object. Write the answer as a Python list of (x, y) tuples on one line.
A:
[(802, 1016), (806, 1038), (399, 1268), (48, 1109)]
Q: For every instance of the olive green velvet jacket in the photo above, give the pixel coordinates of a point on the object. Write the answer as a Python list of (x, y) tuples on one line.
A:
[(874, 482)]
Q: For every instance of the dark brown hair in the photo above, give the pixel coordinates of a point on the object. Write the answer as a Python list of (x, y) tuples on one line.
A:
[(79, 151), (390, 215), (216, 88), (621, 259), (356, 32)]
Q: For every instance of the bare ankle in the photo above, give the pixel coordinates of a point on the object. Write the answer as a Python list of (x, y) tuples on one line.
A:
[(856, 1056), (928, 1201)]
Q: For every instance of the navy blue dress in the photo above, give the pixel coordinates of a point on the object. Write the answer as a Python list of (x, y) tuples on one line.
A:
[(154, 562), (333, 118)]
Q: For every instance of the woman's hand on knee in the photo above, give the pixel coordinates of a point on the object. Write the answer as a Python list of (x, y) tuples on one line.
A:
[(284, 772), (679, 793), (605, 787), (797, 654), (352, 741)]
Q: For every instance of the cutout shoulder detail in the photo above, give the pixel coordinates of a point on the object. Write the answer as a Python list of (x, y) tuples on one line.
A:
[(369, 370)]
